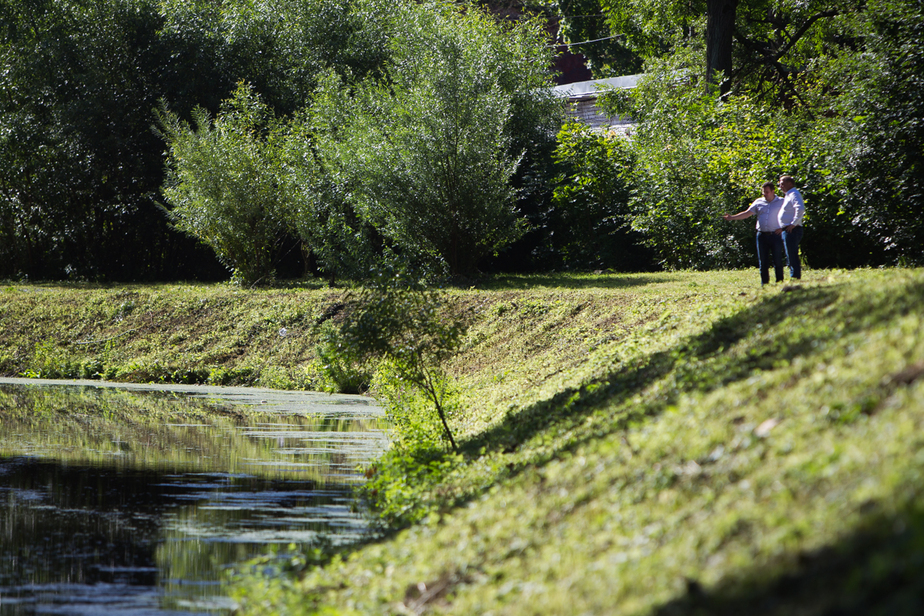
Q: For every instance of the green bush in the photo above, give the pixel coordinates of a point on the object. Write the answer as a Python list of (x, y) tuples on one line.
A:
[(411, 329), (427, 154), (591, 201), (345, 376), (222, 186)]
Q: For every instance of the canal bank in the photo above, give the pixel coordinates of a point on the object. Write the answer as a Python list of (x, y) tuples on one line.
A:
[(669, 443)]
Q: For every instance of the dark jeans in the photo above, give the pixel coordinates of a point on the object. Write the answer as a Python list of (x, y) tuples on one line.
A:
[(769, 245), (791, 243)]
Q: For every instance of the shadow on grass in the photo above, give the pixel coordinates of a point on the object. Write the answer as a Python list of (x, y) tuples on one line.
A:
[(784, 326), (570, 281), (876, 570), (697, 365), (702, 364)]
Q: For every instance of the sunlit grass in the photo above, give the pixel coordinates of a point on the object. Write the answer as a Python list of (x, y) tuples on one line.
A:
[(164, 334), (674, 443), (708, 447)]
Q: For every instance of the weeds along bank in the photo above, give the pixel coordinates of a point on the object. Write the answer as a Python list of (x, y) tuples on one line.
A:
[(224, 335), (214, 334), (646, 444)]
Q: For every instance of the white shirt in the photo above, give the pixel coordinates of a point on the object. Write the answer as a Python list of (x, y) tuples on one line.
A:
[(768, 214), (793, 208)]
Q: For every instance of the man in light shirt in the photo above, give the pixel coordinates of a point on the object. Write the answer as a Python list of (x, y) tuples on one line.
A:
[(790, 223), (769, 240)]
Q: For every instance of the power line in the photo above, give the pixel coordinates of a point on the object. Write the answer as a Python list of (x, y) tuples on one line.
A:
[(605, 38)]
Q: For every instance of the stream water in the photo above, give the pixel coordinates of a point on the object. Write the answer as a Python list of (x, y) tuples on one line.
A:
[(141, 499)]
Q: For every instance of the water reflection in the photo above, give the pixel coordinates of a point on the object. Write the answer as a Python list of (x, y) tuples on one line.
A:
[(137, 501)]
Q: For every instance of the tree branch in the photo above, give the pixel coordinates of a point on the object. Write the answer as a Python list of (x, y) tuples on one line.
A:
[(801, 32)]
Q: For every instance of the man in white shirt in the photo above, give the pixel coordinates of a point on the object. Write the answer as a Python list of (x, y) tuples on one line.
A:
[(769, 240), (790, 223)]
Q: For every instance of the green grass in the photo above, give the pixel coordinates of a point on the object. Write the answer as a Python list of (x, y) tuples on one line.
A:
[(686, 445), (216, 334), (678, 443)]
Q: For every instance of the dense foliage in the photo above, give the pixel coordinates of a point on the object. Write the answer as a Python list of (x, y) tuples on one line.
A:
[(425, 134), (222, 187), (590, 199), (427, 156), (77, 156), (82, 167), (823, 91)]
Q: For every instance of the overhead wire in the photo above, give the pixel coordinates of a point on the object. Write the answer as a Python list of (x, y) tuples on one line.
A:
[(605, 38)]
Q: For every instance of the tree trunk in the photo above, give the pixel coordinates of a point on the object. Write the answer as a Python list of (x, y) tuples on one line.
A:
[(720, 28)]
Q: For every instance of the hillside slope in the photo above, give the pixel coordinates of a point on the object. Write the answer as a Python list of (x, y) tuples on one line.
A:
[(677, 443)]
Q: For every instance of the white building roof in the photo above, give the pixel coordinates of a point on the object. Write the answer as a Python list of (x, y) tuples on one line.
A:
[(592, 89), (582, 101)]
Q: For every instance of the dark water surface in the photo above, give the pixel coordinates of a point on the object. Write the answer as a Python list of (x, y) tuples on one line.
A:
[(141, 499)]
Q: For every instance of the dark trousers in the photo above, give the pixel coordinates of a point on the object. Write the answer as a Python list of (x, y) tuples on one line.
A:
[(769, 246), (791, 243)]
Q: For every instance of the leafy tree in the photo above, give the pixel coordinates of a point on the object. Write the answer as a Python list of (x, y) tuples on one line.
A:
[(873, 163), (777, 47), (587, 23), (285, 47), (591, 198), (697, 157), (823, 90), (337, 240), (79, 159), (410, 327), (650, 29), (762, 44), (222, 186), (280, 47), (428, 154), (81, 80)]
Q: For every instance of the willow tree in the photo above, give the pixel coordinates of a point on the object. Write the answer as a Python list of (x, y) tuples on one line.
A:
[(222, 185), (427, 153)]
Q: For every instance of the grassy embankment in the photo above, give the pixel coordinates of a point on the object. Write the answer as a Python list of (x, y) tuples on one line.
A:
[(676, 443)]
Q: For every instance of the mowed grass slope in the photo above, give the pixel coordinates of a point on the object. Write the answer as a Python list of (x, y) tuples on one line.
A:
[(215, 334), (676, 443), (689, 444)]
